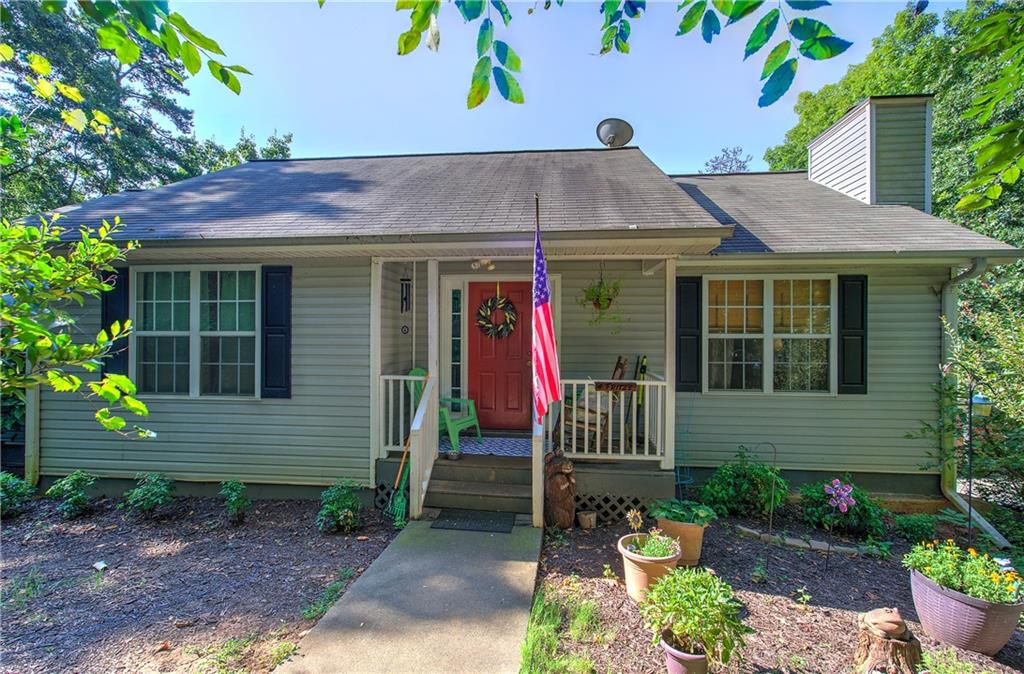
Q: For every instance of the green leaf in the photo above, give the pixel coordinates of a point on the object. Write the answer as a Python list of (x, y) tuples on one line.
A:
[(608, 7), (710, 26), (608, 38), (823, 48), (775, 58), (484, 38), (6, 52), (994, 192), (743, 8), (480, 85), (507, 85), (190, 57), (408, 41), (778, 84), (470, 9), (723, 6), (193, 35), (170, 41), (320, 3), (224, 75), (239, 69), (39, 64), (762, 32), (122, 382), (53, 6), (973, 202), (76, 119), (135, 406), (807, 5), (127, 52), (502, 8), (622, 37), (507, 56), (1011, 175), (804, 28), (692, 18)]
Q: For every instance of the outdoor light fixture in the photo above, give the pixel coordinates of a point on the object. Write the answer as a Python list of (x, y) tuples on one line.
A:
[(483, 263), (982, 405)]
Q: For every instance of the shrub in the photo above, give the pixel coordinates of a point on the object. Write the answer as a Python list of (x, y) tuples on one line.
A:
[(946, 661), (744, 487), (966, 571), (683, 511), (915, 527), (152, 491), (863, 518), (15, 494), (655, 544), (697, 613), (235, 500), (339, 508), (71, 490)]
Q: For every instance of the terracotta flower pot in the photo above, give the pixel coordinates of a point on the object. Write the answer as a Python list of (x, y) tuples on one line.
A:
[(961, 620), (681, 662), (641, 572), (690, 537)]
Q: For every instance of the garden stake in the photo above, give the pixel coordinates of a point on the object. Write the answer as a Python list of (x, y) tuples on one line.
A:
[(771, 509)]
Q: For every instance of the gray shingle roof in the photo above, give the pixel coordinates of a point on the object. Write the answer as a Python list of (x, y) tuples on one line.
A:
[(581, 190), (787, 213)]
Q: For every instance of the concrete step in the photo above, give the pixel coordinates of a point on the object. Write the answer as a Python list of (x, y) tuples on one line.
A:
[(493, 496)]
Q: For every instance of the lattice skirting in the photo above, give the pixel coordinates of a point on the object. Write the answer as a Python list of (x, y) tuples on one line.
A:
[(610, 508), (383, 492)]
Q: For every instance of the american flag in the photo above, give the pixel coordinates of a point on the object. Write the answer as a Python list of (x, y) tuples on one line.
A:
[(546, 380)]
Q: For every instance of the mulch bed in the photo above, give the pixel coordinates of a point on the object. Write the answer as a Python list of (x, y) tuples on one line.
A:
[(790, 636), (177, 588)]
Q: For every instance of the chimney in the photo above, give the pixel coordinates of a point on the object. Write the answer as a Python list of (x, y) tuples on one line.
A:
[(880, 152)]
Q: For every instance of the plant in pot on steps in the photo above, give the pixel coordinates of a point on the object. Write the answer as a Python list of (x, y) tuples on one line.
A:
[(645, 557), (684, 521), (965, 598), (695, 618)]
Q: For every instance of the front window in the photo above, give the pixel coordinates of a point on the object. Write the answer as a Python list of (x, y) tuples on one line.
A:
[(791, 352), (196, 332)]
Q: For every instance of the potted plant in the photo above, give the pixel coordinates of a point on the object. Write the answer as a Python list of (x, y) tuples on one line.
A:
[(965, 598), (645, 557), (695, 618), (684, 521), (600, 295)]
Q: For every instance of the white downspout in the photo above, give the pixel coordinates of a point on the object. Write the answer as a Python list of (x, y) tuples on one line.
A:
[(948, 308)]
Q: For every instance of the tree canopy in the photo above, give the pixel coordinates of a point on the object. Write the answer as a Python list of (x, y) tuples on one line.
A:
[(729, 160)]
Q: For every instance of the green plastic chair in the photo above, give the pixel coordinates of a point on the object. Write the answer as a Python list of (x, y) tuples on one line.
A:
[(450, 424)]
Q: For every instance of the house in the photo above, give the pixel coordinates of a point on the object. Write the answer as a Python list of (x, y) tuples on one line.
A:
[(280, 305)]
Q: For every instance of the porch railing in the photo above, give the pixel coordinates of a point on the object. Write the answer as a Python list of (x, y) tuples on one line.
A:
[(423, 435), (618, 420), (397, 409)]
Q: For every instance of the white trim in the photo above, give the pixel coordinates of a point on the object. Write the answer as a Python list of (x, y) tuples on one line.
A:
[(461, 281), (376, 446), (872, 144), (928, 157), (668, 456), (433, 318), (194, 333), (768, 334)]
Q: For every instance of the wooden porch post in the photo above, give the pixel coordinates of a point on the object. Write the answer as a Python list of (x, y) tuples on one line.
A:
[(668, 457), (433, 319), (376, 445)]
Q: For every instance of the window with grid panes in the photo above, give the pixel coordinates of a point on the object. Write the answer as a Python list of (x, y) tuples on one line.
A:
[(162, 329), (227, 333), (735, 335), (802, 331)]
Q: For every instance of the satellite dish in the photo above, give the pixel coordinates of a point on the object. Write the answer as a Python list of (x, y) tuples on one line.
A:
[(614, 132)]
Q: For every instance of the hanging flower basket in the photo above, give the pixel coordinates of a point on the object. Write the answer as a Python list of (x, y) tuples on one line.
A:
[(601, 296), (485, 315)]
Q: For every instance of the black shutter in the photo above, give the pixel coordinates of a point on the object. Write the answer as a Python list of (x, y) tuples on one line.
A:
[(853, 334), (688, 338), (277, 332), (114, 307)]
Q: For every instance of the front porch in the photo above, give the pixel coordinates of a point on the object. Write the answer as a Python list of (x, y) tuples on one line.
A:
[(618, 428)]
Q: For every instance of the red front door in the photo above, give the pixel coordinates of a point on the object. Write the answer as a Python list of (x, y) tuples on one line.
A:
[(500, 369)]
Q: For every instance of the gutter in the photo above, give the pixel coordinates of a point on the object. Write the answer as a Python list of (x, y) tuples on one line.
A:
[(948, 308)]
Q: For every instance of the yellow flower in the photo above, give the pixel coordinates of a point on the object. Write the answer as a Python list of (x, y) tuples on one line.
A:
[(995, 577), (972, 552)]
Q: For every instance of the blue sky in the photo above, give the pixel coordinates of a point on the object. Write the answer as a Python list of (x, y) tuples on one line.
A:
[(332, 77)]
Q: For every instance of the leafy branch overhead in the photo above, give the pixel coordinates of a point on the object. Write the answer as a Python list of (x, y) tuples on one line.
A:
[(813, 39)]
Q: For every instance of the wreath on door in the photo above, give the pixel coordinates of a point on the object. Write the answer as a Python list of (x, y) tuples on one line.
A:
[(485, 317)]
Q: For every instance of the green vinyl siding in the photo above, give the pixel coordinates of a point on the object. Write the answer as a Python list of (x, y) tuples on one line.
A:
[(318, 435), (857, 433)]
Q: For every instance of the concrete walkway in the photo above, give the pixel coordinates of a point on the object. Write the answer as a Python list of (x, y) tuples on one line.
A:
[(434, 601)]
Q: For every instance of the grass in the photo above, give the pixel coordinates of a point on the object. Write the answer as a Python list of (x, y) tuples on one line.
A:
[(945, 661), (540, 650), (331, 593), (226, 658), (281, 652), (24, 588)]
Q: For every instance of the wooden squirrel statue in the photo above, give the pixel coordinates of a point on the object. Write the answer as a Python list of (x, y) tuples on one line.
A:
[(559, 490)]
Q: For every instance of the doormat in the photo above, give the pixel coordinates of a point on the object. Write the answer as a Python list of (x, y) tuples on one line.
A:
[(495, 446), (474, 520)]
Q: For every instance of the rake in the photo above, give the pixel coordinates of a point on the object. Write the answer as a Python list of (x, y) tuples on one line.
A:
[(398, 502)]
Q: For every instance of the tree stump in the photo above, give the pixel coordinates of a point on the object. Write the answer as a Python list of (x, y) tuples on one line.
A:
[(559, 490), (885, 644)]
